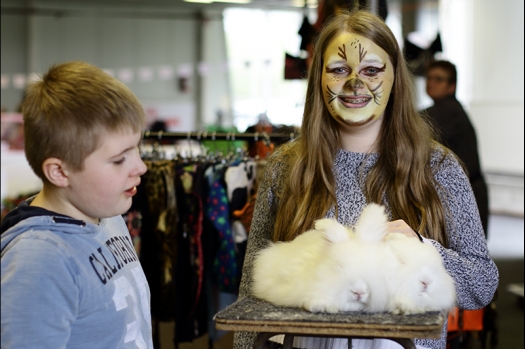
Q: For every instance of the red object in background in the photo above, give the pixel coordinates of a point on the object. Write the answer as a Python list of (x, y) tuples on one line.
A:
[(465, 320)]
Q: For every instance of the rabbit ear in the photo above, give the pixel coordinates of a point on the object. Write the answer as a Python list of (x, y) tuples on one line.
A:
[(333, 231), (371, 224)]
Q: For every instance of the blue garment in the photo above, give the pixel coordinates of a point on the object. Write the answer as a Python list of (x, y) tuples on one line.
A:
[(225, 263), (71, 284), (217, 211)]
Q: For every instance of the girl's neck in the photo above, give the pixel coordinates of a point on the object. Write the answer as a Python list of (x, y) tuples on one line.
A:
[(361, 139)]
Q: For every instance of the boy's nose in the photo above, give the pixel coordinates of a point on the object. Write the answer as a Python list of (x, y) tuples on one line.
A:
[(141, 167)]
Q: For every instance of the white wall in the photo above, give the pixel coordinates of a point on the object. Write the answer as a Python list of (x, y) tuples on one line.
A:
[(128, 41), (17, 177), (498, 91), (215, 81), (14, 57), (485, 40)]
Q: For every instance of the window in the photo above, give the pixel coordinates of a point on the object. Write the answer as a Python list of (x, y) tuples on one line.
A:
[(256, 42)]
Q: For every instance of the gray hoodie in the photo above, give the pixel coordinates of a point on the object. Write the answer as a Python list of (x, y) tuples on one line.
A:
[(71, 284)]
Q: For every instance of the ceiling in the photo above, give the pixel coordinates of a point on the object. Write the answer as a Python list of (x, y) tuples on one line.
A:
[(11, 5), (162, 8)]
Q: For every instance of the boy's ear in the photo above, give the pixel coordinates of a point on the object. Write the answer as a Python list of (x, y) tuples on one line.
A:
[(55, 172)]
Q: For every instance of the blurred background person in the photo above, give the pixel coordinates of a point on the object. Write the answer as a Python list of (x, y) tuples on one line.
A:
[(454, 129)]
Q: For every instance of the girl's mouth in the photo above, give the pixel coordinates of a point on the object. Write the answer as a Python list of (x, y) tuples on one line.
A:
[(354, 102)]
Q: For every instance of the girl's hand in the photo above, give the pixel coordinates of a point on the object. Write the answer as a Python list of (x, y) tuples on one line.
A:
[(400, 226)]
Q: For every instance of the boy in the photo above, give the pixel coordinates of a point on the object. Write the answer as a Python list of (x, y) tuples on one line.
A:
[(70, 275)]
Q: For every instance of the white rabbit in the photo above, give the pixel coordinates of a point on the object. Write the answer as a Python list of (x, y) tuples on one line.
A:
[(334, 268), (303, 273), (422, 283)]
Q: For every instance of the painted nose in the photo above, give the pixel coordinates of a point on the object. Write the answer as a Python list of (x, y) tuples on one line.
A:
[(354, 84)]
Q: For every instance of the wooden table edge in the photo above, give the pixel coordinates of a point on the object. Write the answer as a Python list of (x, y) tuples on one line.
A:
[(332, 329)]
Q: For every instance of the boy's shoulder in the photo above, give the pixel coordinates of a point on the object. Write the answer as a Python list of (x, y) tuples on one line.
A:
[(24, 211), (39, 222)]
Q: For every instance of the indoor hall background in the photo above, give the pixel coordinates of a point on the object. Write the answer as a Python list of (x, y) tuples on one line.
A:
[(485, 40), (126, 36)]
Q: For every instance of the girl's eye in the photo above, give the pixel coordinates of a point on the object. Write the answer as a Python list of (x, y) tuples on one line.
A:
[(372, 71), (337, 70), (119, 162)]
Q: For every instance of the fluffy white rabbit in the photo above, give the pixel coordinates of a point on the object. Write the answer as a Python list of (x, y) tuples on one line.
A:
[(303, 273), (334, 268), (422, 283), (325, 269), (416, 278)]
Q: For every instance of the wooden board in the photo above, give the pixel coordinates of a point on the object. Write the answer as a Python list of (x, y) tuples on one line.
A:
[(254, 315)]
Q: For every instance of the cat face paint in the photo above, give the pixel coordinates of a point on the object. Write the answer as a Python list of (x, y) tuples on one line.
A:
[(357, 79)]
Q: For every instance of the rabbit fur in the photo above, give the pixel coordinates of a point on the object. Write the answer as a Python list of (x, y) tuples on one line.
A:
[(333, 268)]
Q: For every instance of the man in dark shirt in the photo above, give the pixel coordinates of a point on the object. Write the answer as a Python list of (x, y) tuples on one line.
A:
[(454, 128)]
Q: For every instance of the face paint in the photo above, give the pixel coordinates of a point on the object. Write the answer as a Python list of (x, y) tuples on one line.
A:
[(357, 79)]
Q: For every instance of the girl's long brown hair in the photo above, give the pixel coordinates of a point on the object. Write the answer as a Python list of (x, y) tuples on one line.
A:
[(402, 172)]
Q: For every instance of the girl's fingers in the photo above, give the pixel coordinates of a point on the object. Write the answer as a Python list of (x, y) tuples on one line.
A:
[(400, 226)]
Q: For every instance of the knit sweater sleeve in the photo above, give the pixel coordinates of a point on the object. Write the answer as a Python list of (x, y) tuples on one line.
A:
[(260, 234), (467, 258)]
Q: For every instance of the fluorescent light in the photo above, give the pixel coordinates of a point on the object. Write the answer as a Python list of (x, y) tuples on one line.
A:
[(310, 3), (235, 1), (230, 1)]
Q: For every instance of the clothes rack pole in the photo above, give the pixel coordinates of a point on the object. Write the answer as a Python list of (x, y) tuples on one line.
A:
[(205, 136)]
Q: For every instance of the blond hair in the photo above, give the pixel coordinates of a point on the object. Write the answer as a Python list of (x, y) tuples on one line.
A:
[(70, 108), (402, 173)]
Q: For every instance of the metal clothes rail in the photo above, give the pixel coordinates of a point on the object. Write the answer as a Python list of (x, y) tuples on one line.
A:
[(207, 135)]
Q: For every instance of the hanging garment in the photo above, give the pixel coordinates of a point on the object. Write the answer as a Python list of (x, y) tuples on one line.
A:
[(191, 310), (240, 179), (159, 237), (238, 188), (217, 210), (244, 215), (418, 58), (307, 33)]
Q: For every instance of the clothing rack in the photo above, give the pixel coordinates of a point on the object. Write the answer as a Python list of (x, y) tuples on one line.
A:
[(207, 135)]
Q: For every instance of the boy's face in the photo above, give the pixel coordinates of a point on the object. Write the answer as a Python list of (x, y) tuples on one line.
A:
[(109, 180), (357, 79)]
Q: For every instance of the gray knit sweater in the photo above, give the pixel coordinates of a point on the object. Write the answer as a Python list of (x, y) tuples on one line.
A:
[(467, 259)]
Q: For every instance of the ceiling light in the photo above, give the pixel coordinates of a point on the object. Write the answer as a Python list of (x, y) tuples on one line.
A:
[(200, 1), (230, 1), (235, 1), (309, 3)]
